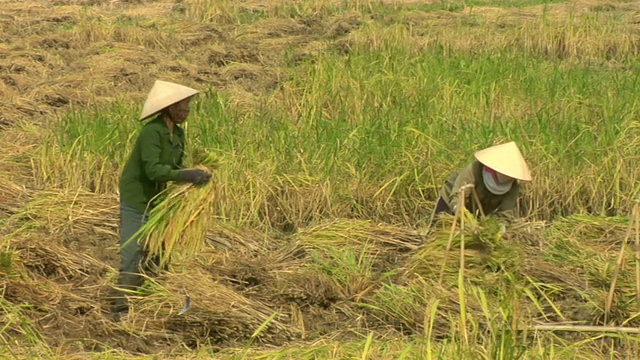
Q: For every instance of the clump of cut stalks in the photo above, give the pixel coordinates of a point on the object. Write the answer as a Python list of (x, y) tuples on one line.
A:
[(75, 212), (483, 252)]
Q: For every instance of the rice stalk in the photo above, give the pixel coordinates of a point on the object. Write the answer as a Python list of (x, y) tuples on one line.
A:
[(637, 253), (623, 248), (219, 308), (11, 195), (461, 287)]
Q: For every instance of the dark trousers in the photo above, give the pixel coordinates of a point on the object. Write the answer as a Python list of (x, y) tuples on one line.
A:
[(133, 260), (441, 206)]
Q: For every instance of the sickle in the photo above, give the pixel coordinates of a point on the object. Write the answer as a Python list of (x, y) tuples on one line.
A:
[(187, 302)]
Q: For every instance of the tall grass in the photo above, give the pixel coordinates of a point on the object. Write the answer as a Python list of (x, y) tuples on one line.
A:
[(386, 123)]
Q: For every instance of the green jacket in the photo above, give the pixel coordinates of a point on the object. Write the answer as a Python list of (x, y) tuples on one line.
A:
[(503, 205), (154, 160)]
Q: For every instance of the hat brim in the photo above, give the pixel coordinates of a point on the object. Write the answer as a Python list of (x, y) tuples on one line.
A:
[(505, 159), (160, 110), (162, 95)]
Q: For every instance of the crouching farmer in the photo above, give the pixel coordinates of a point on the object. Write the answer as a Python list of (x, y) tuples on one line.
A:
[(495, 176)]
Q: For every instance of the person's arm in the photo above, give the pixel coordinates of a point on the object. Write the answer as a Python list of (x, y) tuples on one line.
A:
[(464, 178), (150, 148), (506, 212), (180, 163)]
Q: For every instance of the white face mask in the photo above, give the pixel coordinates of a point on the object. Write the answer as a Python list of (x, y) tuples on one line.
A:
[(496, 188)]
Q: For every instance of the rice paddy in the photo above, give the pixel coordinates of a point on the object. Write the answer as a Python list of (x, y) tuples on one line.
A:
[(329, 127)]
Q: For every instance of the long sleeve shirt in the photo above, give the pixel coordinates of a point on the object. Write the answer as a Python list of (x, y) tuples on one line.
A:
[(155, 159), (502, 205)]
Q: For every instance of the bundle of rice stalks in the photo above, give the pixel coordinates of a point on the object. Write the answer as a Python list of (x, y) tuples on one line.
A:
[(356, 254), (622, 310), (592, 264), (179, 222), (406, 307), (569, 272), (351, 268), (306, 287), (222, 237), (227, 242), (52, 260), (591, 249), (57, 311), (529, 235), (279, 255), (590, 230), (257, 274)]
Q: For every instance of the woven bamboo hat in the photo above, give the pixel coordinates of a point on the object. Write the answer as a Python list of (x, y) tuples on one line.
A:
[(505, 159), (163, 94)]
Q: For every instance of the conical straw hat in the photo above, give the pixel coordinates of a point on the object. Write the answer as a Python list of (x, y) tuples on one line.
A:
[(506, 159), (163, 94)]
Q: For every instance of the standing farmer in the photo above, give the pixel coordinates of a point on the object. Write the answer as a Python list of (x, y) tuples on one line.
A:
[(156, 158), (494, 175)]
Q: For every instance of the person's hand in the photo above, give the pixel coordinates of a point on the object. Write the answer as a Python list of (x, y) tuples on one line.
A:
[(502, 233), (195, 176)]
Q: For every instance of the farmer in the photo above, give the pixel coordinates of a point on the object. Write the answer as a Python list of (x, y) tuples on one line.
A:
[(494, 175), (156, 158)]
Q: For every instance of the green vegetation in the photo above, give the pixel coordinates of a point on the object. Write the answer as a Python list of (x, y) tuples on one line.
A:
[(388, 121)]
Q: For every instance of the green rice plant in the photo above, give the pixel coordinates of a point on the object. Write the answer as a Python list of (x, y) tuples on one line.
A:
[(17, 328), (380, 143), (349, 267)]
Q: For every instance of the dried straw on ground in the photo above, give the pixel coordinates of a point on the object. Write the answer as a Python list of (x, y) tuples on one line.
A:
[(11, 195), (71, 213), (305, 285)]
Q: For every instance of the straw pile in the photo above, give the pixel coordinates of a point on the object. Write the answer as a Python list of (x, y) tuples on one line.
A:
[(78, 213), (11, 196)]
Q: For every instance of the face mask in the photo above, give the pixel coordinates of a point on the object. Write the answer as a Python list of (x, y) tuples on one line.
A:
[(495, 182)]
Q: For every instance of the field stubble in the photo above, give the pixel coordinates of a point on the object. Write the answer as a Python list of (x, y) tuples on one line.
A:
[(334, 124)]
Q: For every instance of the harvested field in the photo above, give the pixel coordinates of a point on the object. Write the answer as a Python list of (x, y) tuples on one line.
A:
[(329, 127)]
